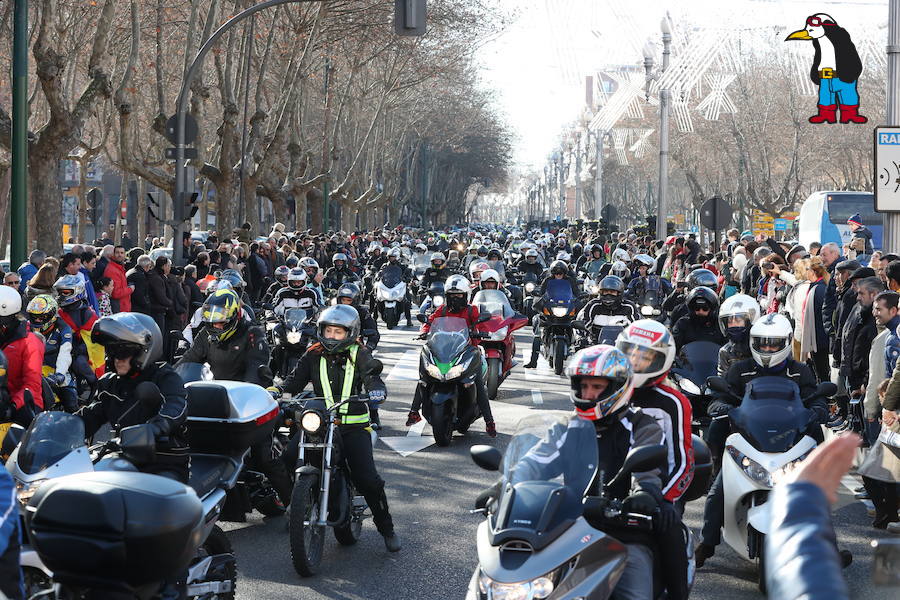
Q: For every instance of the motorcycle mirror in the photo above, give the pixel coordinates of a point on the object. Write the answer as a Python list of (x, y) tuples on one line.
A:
[(421, 318), (138, 443), (718, 384), (149, 396), (486, 457), (826, 389), (642, 458)]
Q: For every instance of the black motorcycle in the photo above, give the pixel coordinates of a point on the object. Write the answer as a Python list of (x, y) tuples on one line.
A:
[(694, 364), (529, 285), (556, 323), (290, 338)]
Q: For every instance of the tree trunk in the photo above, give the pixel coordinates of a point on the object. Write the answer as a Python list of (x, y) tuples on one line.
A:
[(46, 197), (141, 210)]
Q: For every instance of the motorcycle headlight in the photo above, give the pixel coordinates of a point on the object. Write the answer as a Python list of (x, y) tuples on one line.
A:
[(499, 335), (434, 371), (689, 386), (750, 467), (536, 588), (456, 371), (647, 311), (779, 474), (437, 301), (24, 491), (311, 421), (529, 287), (293, 337), (560, 311)]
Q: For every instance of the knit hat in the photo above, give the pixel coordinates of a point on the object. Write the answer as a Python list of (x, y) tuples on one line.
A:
[(855, 219)]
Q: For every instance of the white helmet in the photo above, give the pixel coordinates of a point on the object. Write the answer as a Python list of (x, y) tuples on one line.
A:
[(770, 340), (394, 252), (564, 256), (457, 283), (308, 262), (739, 305), (10, 309), (621, 254), (476, 268), (644, 260), (619, 269), (490, 275), (650, 348)]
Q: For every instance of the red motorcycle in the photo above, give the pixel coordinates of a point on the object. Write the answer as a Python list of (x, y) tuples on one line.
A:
[(497, 337)]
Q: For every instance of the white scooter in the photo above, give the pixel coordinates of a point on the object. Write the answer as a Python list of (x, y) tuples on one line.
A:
[(769, 441)]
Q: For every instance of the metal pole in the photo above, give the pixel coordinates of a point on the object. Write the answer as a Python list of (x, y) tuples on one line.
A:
[(562, 185), (19, 181), (598, 178), (326, 185), (663, 146), (577, 214), (892, 220)]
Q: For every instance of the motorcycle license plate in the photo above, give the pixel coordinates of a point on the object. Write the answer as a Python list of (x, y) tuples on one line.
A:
[(389, 304)]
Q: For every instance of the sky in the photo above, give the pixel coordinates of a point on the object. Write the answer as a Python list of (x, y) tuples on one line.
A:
[(537, 66)]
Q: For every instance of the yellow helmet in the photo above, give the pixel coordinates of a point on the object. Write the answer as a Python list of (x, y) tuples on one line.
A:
[(42, 311), (221, 314)]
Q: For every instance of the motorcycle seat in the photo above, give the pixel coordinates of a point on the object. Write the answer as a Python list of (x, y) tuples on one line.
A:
[(207, 471)]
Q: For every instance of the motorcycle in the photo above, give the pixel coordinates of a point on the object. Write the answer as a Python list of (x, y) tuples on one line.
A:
[(695, 363), (54, 446), (770, 440), (498, 339), (435, 298), (539, 538), (323, 494), (448, 366), (290, 340), (530, 285), (651, 305), (390, 296), (556, 323)]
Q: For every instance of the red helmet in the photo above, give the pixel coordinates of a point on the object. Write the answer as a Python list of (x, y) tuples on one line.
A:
[(604, 362)]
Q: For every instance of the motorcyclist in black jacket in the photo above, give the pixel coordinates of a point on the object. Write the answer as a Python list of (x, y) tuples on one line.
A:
[(349, 293), (281, 281), (133, 344), (393, 262), (436, 272), (236, 350), (701, 323), (695, 279), (609, 308), (559, 271), (529, 263), (339, 273)]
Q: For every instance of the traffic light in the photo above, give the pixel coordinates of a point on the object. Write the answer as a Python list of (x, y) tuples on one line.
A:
[(409, 17)]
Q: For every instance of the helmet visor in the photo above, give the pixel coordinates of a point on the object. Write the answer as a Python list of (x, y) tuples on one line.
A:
[(735, 320), (217, 314), (642, 358), (769, 345), (122, 350)]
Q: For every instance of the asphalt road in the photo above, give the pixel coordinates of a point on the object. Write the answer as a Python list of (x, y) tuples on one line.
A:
[(431, 490)]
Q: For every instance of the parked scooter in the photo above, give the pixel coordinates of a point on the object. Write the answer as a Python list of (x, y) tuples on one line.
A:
[(498, 336), (448, 365), (769, 441), (539, 539)]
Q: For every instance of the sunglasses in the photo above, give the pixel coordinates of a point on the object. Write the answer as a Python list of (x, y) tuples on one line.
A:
[(818, 22)]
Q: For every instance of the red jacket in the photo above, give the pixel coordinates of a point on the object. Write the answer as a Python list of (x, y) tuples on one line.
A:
[(469, 313), (121, 291), (25, 357)]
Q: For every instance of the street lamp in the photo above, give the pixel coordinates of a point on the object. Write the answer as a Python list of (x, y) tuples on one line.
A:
[(649, 52)]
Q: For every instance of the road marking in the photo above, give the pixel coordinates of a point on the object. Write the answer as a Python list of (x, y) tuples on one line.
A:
[(406, 368), (543, 372), (536, 397), (417, 429), (851, 482), (406, 445)]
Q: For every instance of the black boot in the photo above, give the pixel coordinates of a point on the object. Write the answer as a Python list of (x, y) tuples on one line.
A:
[(535, 351)]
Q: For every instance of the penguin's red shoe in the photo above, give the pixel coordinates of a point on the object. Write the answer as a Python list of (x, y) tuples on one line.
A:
[(827, 114), (850, 114)]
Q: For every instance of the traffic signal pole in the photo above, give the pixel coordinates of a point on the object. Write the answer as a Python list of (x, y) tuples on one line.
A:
[(19, 183)]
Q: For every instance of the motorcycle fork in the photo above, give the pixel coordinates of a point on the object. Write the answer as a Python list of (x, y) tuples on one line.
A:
[(326, 476)]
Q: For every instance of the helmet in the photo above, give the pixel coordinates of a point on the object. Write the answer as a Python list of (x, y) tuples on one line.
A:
[(348, 290), (296, 278), (235, 279), (457, 284), (650, 348), (340, 256), (394, 253), (222, 306), (476, 268), (130, 334), (619, 269), (490, 275), (530, 254), (69, 289), (644, 260), (217, 284), (495, 254), (577, 249), (482, 250), (42, 311), (10, 308), (738, 306), (281, 274), (703, 277), (564, 256), (291, 261), (438, 256), (771, 331), (596, 248), (702, 297), (421, 248), (339, 315), (621, 254), (606, 362), (308, 262), (608, 284), (558, 267)]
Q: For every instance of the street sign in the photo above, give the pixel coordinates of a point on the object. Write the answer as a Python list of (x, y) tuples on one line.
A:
[(716, 214), (781, 224), (191, 130), (887, 169)]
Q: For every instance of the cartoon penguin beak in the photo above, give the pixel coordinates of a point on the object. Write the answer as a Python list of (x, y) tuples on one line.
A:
[(801, 34)]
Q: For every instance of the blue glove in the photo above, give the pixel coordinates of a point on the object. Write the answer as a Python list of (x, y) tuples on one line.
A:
[(58, 379), (377, 396)]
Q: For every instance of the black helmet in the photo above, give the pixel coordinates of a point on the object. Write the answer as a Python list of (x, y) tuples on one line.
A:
[(596, 248), (235, 279), (482, 251), (558, 267), (291, 261), (611, 283), (348, 290), (340, 315), (577, 250), (702, 297), (494, 254), (703, 277), (129, 334)]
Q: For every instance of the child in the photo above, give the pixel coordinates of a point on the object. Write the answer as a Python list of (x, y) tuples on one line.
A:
[(105, 285), (860, 246)]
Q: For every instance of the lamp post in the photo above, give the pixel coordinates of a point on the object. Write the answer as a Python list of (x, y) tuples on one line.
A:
[(663, 123), (892, 220), (600, 137)]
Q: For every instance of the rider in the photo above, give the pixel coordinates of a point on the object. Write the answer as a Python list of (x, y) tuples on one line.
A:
[(236, 350), (559, 271), (770, 345), (43, 313), (309, 264), (87, 357), (736, 316), (530, 263), (133, 344), (645, 281), (701, 322), (296, 294), (337, 363), (349, 293), (695, 279), (339, 273), (393, 262), (595, 261), (456, 290), (609, 307), (281, 277), (436, 272), (651, 349), (24, 355)]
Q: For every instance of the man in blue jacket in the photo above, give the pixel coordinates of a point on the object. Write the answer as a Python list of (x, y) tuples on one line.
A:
[(28, 270)]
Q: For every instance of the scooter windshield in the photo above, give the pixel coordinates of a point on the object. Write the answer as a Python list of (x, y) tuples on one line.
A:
[(447, 338), (697, 361), (421, 263), (555, 447), (50, 437), (294, 318), (391, 275), (558, 294), (494, 303), (771, 416)]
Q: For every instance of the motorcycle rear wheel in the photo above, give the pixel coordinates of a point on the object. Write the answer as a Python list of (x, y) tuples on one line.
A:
[(347, 534), (218, 543), (307, 541)]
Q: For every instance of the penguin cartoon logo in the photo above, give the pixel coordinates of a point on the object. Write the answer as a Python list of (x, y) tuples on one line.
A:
[(835, 69)]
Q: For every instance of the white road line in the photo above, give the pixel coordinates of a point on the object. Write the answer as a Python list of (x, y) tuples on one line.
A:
[(851, 482), (536, 397), (407, 368)]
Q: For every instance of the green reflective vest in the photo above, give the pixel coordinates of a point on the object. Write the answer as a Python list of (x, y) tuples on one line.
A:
[(349, 372)]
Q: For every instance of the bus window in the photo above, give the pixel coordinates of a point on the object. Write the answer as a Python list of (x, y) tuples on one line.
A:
[(843, 206)]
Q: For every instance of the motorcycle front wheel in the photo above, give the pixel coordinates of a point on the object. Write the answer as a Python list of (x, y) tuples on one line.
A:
[(307, 541), (493, 377), (441, 424), (559, 356)]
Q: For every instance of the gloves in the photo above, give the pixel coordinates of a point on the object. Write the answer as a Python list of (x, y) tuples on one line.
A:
[(641, 502), (667, 517), (377, 396)]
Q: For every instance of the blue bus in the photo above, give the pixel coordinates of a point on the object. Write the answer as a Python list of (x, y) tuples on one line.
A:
[(823, 217)]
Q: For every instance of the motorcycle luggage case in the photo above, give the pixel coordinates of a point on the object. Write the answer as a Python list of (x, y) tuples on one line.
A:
[(228, 416), (111, 527)]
